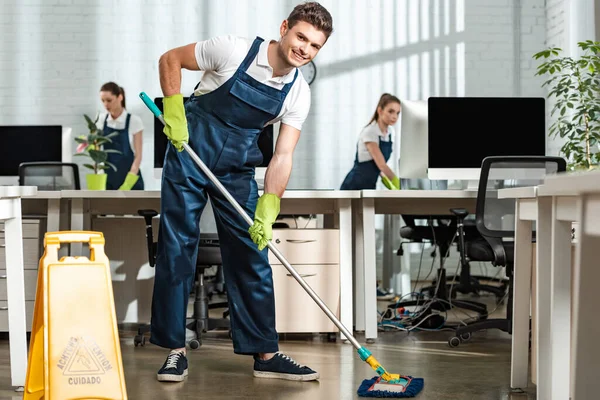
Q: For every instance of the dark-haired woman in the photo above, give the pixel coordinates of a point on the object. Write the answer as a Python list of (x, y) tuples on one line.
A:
[(374, 148), (127, 142)]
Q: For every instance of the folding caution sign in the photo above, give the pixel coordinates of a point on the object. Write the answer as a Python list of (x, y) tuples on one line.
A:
[(74, 351)]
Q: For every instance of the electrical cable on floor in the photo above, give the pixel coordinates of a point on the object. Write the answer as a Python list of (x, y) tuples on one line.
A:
[(391, 319)]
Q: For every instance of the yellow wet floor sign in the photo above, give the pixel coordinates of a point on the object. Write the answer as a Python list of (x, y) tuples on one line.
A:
[(74, 351)]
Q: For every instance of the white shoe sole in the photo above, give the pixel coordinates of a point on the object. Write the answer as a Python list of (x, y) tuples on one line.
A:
[(289, 377), (171, 377)]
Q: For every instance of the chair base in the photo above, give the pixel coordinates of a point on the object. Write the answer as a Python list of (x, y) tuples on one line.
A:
[(199, 322), (463, 333)]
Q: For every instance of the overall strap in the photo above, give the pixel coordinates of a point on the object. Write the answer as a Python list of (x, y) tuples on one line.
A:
[(251, 54)]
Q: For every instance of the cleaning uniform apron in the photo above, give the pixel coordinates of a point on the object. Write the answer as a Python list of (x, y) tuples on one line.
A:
[(224, 126), (122, 161), (364, 175)]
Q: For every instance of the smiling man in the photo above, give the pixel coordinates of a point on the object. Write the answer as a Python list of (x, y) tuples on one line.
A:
[(246, 85)]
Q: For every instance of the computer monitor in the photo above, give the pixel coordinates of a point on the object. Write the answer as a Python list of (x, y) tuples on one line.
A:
[(27, 143), (413, 140), (462, 131), (265, 144)]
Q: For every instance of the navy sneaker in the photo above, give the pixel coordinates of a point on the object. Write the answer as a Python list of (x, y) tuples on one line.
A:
[(175, 368), (283, 367)]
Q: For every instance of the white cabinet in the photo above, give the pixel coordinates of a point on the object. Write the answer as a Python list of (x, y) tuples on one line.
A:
[(31, 257), (314, 254)]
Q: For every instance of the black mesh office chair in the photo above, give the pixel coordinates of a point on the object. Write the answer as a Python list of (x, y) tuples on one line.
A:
[(495, 221), (209, 254), (441, 231), (49, 175)]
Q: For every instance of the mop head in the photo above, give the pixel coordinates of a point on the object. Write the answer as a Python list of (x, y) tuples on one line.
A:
[(407, 386)]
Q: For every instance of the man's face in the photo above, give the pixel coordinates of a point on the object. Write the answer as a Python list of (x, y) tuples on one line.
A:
[(300, 44)]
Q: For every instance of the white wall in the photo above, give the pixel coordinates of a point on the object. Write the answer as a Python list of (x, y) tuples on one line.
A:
[(55, 54)]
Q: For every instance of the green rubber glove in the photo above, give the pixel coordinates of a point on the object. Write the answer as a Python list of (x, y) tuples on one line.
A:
[(176, 127), (129, 181), (394, 184), (267, 210)]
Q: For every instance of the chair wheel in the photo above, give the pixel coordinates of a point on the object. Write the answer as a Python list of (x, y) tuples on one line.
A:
[(195, 344), (454, 341), (465, 337), (139, 340)]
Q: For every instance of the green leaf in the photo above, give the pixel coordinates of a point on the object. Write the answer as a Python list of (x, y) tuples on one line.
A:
[(110, 135), (111, 165), (98, 156), (90, 166), (103, 139)]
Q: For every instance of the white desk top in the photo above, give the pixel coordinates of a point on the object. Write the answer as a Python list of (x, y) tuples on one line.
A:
[(422, 194), (17, 191), (155, 194), (571, 183), (529, 192)]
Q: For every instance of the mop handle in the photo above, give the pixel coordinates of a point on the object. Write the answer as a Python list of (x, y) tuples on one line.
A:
[(150, 104)]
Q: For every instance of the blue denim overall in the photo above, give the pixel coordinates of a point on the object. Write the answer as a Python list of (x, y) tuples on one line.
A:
[(122, 161), (224, 126), (364, 175)]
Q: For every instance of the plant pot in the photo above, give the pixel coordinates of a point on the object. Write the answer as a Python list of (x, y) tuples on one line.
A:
[(96, 181)]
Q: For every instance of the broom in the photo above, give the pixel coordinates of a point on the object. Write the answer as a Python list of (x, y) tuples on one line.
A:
[(382, 385)]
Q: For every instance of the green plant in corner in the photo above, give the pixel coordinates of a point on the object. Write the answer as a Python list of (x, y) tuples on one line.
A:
[(575, 85), (91, 145)]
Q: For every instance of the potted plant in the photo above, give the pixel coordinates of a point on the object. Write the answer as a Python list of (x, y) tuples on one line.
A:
[(91, 145), (575, 85)]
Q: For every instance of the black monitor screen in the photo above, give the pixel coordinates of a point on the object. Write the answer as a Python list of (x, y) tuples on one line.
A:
[(265, 140), (21, 143), (465, 130)]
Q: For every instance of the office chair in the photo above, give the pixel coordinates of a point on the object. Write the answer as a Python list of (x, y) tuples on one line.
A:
[(209, 254), (49, 175), (495, 221), (441, 230)]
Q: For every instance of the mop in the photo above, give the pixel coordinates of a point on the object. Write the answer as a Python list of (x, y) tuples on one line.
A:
[(383, 384)]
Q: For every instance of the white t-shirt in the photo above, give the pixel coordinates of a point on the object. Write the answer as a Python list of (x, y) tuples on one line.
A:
[(221, 56), (135, 124), (371, 133)]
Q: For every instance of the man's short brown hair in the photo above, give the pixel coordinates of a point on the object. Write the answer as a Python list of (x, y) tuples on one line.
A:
[(314, 14)]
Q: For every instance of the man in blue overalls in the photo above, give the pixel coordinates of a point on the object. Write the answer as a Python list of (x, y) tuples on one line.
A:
[(246, 85)]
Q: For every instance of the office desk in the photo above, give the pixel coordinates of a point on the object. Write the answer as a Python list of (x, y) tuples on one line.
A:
[(86, 203), (554, 206), (392, 202), (10, 214), (585, 352)]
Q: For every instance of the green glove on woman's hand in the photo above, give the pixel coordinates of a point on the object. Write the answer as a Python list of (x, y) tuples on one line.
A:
[(267, 210), (394, 184), (176, 127), (129, 181)]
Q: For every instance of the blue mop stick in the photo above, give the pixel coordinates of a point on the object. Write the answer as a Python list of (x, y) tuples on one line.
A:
[(364, 354)]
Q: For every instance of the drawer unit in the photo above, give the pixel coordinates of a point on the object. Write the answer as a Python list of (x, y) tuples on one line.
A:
[(31, 229), (295, 310), (31, 253), (30, 284), (314, 254), (29, 305), (307, 246)]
